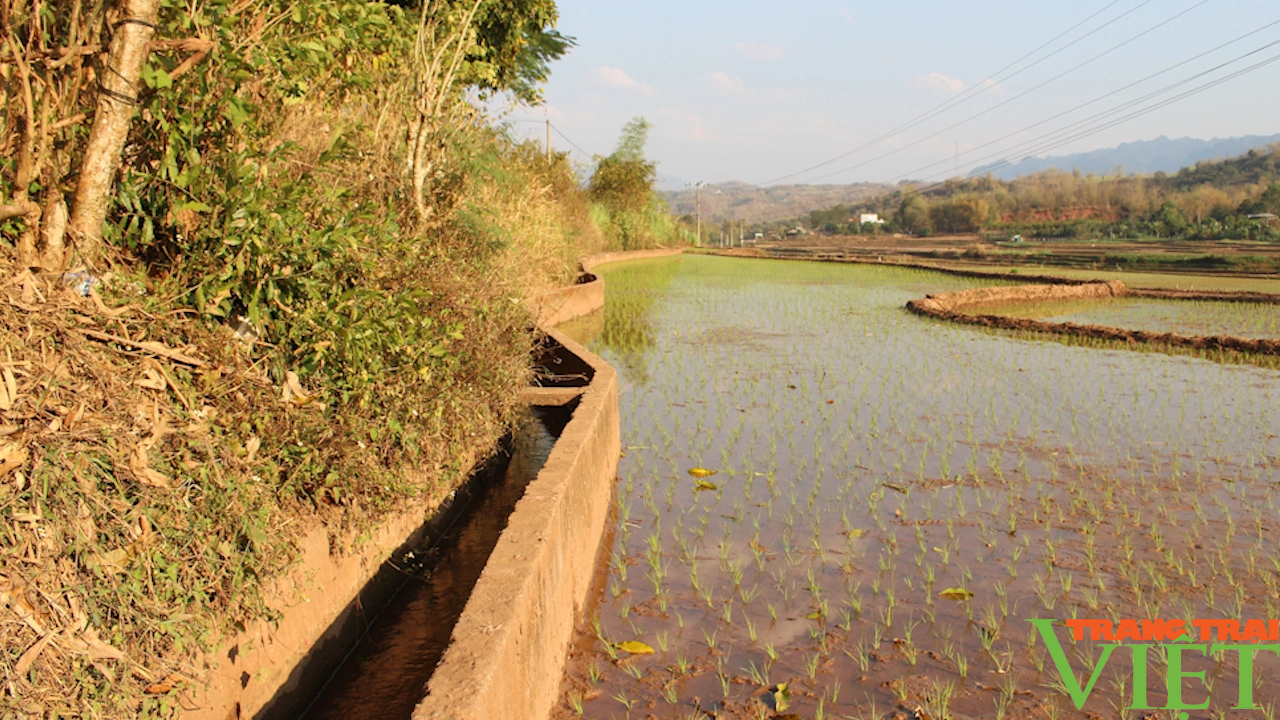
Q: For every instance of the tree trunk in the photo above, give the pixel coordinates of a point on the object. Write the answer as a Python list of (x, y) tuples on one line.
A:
[(53, 231), (117, 98)]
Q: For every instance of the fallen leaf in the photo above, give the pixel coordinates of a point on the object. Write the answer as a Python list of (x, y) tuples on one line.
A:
[(703, 485), (140, 464), (635, 647), (12, 457), (855, 533), (169, 682), (293, 391), (141, 469), (151, 380), (700, 472), (15, 598), (251, 448), (109, 564), (955, 593), (89, 644), (781, 698), (24, 663), (75, 416)]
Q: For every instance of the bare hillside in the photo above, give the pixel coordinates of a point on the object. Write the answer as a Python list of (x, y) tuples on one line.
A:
[(740, 201)]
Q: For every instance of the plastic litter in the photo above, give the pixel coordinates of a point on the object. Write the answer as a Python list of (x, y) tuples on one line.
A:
[(81, 281)]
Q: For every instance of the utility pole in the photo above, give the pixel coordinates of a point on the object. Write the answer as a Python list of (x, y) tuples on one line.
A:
[(697, 186), (548, 141)]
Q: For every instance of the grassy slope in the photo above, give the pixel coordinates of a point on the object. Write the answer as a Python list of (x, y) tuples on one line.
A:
[(149, 502)]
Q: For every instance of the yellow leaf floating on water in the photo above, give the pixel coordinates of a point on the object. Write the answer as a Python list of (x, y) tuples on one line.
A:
[(635, 647), (703, 485), (856, 533), (781, 698), (955, 594), (700, 472)]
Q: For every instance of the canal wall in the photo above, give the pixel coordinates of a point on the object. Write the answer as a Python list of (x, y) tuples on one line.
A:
[(321, 606), (509, 647), (587, 294)]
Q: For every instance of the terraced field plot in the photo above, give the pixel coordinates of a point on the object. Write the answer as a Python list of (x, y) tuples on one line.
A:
[(895, 497), (1188, 317)]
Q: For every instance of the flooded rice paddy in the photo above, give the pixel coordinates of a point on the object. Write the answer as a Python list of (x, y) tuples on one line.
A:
[(1188, 317), (895, 497)]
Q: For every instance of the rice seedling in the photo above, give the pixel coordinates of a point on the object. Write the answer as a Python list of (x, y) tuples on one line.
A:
[(1074, 479)]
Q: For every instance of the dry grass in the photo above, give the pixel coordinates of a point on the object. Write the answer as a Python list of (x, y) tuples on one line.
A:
[(148, 502)]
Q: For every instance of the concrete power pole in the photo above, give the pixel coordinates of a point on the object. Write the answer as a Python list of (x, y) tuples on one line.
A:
[(697, 186)]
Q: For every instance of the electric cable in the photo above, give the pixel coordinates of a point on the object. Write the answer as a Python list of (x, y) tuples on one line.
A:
[(1022, 94), (1138, 113), (984, 84), (1111, 94)]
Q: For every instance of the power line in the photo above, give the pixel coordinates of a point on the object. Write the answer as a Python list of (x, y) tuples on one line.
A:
[(1138, 113), (1022, 94), (1163, 103), (981, 87), (1116, 92), (1063, 136), (558, 132), (566, 139)]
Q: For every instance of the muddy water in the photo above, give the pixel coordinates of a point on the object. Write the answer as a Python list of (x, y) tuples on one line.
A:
[(386, 674), (895, 497)]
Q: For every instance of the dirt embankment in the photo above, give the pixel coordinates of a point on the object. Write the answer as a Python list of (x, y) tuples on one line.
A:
[(952, 306), (956, 301)]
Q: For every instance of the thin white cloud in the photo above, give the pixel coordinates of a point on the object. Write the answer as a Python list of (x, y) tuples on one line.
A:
[(617, 79), (686, 125), (759, 51), (992, 86), (724, 85), (847, 16), (939, 83)]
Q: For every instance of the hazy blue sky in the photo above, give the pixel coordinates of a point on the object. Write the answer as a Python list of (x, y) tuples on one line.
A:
[(757, 89)]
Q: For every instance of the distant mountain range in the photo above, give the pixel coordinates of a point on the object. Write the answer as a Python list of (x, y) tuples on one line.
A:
[(1143, 156), (748, 203)]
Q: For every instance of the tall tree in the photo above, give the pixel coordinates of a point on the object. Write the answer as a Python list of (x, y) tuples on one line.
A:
[(624, 179)]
